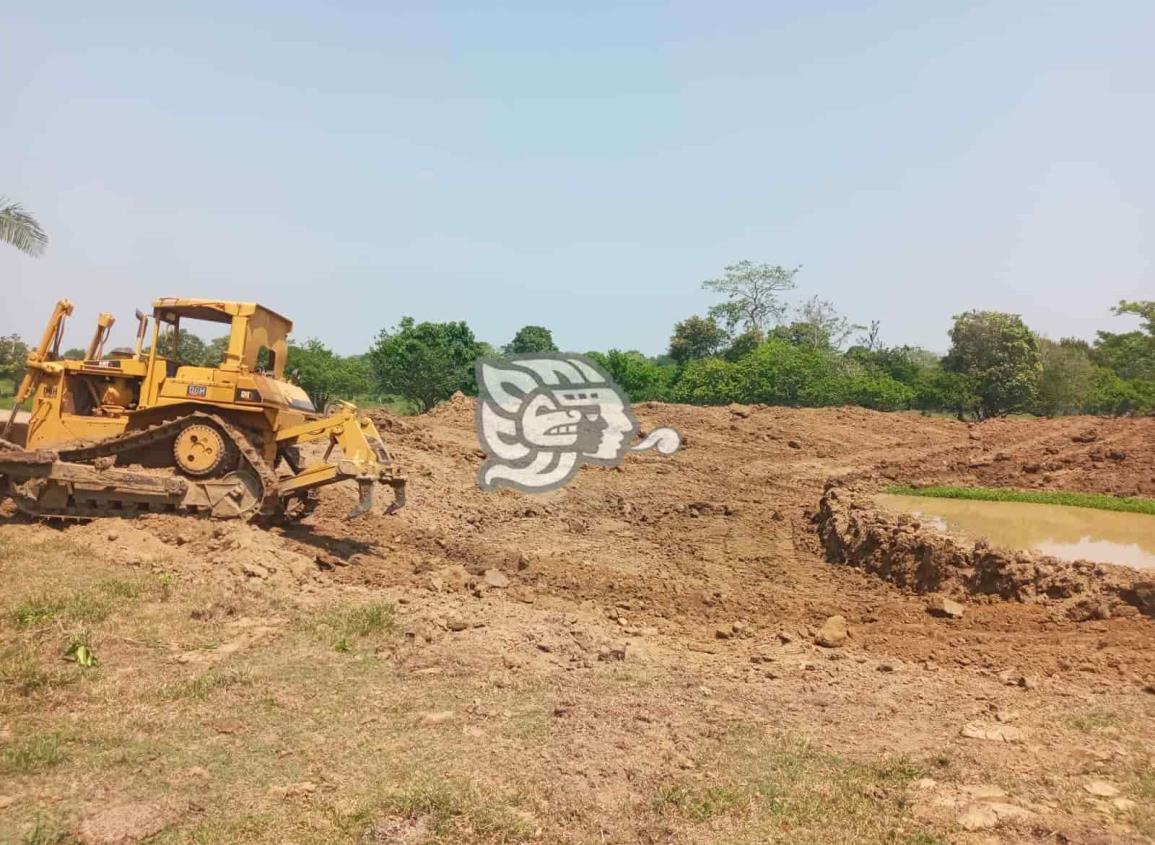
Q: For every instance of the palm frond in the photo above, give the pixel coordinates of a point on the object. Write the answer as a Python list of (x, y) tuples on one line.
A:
[(19, 228)]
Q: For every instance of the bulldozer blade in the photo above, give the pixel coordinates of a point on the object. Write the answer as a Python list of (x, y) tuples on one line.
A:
[(365, 503)]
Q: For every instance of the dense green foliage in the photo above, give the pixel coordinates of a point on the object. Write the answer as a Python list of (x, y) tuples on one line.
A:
[(696, 337), (1098, 501), (642, 378), (1000, 356), (424, 362), (13, 353), (531, 339), (326, 376)]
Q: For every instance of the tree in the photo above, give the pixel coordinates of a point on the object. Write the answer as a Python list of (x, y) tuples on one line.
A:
[(531, 339), (20, 229), (901, 363), (819, 325), (937, 389), (324, 375), (781, 373), (642, 378), (696, 337), (1001, 357), (707, 381), (74, 354), (871, 338), (742, 345), (873, 387), (215, 352), (424, 362), (1067, 381), (752, 295), (190, 350), (13, 354), (1130, 354)]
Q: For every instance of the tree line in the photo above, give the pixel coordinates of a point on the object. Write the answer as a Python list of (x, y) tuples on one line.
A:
[(753, 347)]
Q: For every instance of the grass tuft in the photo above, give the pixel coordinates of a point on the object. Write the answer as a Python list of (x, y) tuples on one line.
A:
[(32, 754), (347, 624), (21, 670), (43, 832), (202, 686), (1096, 501), (1095, 720)]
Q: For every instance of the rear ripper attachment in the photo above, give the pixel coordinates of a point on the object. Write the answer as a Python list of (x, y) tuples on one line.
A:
[(139, 431)]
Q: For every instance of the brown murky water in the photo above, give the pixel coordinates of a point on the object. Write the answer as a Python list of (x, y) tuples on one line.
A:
[(1058, 530)]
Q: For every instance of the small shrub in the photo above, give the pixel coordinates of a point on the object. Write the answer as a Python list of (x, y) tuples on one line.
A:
[(79, 650)]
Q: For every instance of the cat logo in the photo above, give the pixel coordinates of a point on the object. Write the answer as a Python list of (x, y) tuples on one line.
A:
[(246, 394)]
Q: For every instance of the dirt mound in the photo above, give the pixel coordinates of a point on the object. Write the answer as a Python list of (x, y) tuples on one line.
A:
[(900, 549), (1074, 453)]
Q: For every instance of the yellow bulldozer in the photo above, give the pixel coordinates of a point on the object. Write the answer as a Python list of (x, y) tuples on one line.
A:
[(139, 431)]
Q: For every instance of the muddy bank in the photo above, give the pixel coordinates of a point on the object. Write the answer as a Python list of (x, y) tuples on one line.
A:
[(900, 549)]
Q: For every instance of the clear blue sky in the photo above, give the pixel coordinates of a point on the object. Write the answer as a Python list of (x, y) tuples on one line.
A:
[(350, 163)]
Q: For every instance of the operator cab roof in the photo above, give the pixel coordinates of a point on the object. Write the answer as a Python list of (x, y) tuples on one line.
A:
[(215, 310)]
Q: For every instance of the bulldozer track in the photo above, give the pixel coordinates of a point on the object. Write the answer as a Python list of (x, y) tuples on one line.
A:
[(126, 443)]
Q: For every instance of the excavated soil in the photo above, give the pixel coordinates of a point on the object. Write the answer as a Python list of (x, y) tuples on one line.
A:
[(900, 549), (710, 565)]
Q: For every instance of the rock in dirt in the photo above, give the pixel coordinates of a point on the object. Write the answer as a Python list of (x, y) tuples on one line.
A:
[(496, 578), (986, 816), (1145, 596), (1101, 789), (993, 733), (124, 825), (833, 632), (436, 717), (947, 608)]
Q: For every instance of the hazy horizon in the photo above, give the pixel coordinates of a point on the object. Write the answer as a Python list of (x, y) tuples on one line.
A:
[(581, 169)]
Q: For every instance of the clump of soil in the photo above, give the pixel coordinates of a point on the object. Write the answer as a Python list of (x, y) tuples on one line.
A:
[(900, 549)]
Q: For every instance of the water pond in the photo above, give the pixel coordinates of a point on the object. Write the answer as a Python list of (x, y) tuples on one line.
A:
[(1061, 531)]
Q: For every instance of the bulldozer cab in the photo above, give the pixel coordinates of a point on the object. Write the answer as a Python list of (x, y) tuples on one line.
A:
[(257, 339)]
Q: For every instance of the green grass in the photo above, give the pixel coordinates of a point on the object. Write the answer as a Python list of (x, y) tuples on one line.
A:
[(202, 686), (347, 624), (43, 832), (1097, 501), (1094, 720), (32, 754)]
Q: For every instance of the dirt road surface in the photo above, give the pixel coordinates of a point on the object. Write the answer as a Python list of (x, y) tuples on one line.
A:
[(634, 658)]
